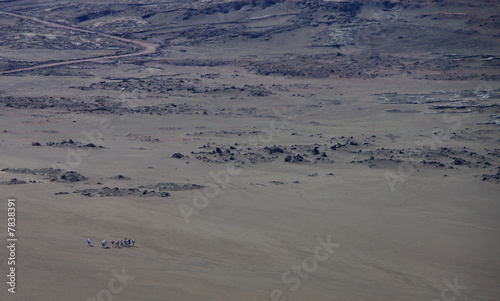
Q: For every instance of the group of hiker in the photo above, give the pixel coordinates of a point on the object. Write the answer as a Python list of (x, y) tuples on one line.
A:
[(127, 242)]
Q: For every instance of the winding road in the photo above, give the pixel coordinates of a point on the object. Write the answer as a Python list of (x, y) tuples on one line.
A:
[(147, 47)]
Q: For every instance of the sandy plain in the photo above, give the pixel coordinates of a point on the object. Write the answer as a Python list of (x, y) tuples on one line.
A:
[(405, 191)]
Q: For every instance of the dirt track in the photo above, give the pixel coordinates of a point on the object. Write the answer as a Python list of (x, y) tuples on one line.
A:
[(148, 47)]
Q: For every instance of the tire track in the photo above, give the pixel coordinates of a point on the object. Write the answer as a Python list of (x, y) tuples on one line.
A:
[(148, 48)]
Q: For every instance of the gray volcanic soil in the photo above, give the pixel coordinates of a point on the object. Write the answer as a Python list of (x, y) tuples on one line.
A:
[(257, 131)]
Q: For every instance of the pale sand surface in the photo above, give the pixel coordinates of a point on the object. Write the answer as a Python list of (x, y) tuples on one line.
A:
[(392, 245), (259, 221)]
